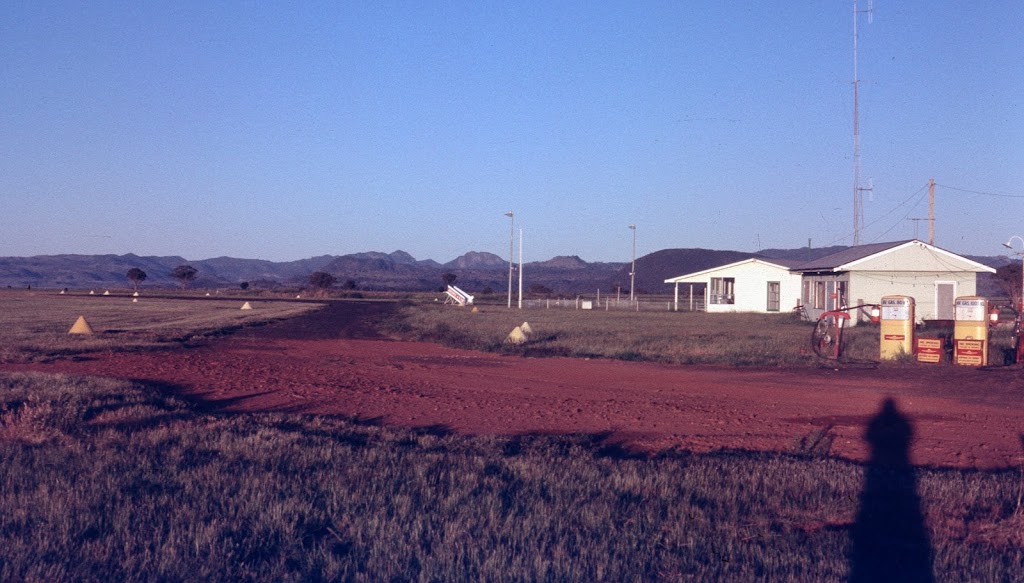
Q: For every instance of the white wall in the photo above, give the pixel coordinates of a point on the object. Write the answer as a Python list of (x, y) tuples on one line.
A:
[(871, 286), (751, 291)]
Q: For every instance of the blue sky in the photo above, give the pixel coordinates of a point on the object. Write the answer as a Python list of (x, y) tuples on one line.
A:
[(258, 130)]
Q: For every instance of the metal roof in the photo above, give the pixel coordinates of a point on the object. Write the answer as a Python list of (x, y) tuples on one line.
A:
[(783, 263), (842, 260), (830, 262)]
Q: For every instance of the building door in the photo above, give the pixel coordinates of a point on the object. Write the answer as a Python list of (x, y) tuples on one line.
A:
[(774, 292), (945, 300)]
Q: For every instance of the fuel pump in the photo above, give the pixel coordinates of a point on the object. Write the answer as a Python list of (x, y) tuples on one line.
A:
[(970, 332), (896, 329)]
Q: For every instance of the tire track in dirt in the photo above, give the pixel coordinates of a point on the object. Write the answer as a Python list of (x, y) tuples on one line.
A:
[(333, 362)]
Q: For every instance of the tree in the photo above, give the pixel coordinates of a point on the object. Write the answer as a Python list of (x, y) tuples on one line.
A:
[(349, 284), (538, 289), (322, 280), (185, 274), (136, 276), (244, 285), (449, 278), (1008, 280)]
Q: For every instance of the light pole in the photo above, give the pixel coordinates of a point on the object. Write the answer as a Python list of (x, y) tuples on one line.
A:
[(632, 270), (520, 268), (511, 249), (1020, 305)]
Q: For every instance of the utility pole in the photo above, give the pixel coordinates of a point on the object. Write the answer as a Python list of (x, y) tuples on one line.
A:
[(511, 250), (931, 211), (520, 268), (632, 270)]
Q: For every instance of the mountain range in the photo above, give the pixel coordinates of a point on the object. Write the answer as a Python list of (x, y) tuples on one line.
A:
[(396, 271)]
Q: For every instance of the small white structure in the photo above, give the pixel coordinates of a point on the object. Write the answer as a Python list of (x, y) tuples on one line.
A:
[(751, 285), (457, 296)]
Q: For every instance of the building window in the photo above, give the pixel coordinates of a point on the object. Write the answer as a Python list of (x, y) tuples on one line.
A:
[(774, 293), (820, 295), (722, 290)]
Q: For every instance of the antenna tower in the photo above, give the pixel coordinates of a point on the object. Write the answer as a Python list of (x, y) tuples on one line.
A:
[(858, 200)]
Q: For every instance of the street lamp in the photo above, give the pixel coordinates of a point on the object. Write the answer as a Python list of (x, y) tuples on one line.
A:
[(520, 268), (632, 270), (511, 249), (1020, 305)]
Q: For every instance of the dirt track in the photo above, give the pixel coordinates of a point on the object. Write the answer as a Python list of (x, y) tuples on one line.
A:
[(332, 362)]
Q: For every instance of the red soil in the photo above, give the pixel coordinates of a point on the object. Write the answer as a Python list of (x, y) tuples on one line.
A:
[(329, 363)]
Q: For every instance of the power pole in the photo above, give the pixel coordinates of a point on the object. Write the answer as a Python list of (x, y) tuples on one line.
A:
[(520, 268), (511, 250), (632, 269), (931, 211)]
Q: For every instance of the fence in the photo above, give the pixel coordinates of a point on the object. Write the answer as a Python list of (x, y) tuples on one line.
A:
[(644, 304)]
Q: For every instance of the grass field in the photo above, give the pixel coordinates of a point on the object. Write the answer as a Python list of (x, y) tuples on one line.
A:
[(671, 337), (103, 480), (768, 340), (34, 325)]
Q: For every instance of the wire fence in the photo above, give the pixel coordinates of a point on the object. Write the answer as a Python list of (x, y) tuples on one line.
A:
[(644, 304)]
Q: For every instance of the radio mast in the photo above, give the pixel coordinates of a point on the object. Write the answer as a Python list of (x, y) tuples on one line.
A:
[(858, 200)]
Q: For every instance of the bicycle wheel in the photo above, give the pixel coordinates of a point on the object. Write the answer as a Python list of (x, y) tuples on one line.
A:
[(826, 336)]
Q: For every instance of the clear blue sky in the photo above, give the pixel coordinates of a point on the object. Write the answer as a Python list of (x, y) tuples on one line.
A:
[(256, 130)]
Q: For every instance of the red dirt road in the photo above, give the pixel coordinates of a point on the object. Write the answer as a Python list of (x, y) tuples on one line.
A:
[(323, 364)]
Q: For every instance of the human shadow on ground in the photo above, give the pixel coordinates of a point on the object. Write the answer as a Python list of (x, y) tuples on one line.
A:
[(889, 541)]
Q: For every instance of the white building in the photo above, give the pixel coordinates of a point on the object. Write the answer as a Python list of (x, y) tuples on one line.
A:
[(751, 285), (863, 274)]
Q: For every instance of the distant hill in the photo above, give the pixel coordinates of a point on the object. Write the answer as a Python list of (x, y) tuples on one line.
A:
[(87, 271), (652, 270), (396, 271), (476, 260), (802, 254), (370, 270)]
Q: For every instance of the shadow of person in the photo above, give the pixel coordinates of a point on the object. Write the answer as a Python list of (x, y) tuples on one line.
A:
[(889, 541)]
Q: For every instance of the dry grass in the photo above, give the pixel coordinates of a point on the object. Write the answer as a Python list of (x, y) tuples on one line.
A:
[(103, 481), (671, 337), (757, 340), (34, 325)]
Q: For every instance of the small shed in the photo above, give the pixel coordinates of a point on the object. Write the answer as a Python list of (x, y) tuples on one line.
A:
[(751, 285), (863, 274)]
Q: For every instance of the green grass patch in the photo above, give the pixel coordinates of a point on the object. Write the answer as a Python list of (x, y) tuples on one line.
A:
[(102, 481)]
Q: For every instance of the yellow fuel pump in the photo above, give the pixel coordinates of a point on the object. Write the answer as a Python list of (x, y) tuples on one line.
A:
[(970, 332), (896, 327)]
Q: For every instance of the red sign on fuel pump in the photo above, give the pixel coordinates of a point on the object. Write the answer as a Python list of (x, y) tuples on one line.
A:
[(929, 350)]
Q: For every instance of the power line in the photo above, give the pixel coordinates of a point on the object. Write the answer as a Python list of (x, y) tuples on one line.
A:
[(1001, 195), (901, 219), (887, 214)]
